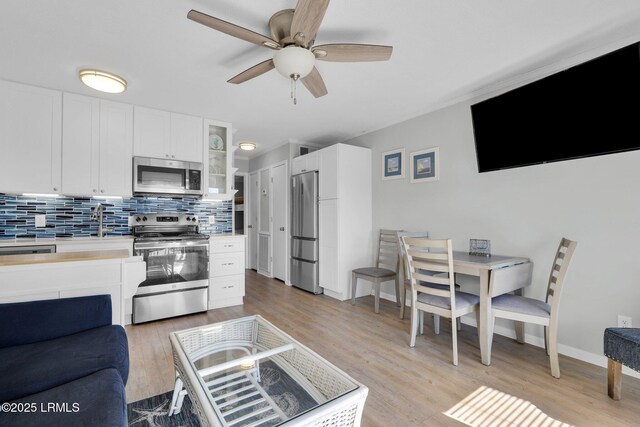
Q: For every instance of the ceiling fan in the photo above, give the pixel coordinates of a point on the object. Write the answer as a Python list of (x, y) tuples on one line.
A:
[(293, 34)]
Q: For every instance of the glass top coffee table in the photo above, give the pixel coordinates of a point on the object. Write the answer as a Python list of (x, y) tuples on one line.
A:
[(247, 372)]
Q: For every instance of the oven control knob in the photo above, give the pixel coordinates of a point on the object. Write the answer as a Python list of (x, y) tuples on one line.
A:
[(144, 218), (193, 219), (188, 219), (137, 219)]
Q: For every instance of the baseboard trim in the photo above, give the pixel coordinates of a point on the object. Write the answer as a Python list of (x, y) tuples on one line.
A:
[(573, 352)]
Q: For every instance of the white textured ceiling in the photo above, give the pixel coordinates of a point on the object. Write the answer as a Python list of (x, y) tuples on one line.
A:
[(444, 50)]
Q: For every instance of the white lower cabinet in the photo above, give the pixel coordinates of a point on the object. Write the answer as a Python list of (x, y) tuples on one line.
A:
[(226, 271)]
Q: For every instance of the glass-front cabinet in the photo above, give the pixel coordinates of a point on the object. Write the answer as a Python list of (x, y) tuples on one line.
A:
[(218, 159)]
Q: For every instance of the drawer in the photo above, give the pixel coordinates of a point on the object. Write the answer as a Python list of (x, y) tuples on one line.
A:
[(226, 287), (227, 264), (226, 245)]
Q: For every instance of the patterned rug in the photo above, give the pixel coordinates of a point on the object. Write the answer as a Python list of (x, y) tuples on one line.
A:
[(288, 395)]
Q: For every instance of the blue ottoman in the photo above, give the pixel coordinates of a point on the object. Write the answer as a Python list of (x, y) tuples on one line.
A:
[(622, 347)]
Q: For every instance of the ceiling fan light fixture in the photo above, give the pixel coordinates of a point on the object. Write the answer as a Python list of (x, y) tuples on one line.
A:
[(294, 61), (103, 81), (247, 145)]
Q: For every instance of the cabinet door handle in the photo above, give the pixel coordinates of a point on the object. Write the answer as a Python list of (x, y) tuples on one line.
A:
[(167, 156), (102, 191), (55, 188), (249, 226), (173, 156), (95, 191), (281, 228)]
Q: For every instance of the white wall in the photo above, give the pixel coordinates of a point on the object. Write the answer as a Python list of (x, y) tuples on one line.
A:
[(525, 211), (241, 163), (269, 158)]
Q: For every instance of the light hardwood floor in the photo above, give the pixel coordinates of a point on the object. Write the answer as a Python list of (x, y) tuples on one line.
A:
[(407, 386)]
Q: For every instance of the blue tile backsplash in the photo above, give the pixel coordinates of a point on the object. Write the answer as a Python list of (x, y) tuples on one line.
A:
[(71, 216)]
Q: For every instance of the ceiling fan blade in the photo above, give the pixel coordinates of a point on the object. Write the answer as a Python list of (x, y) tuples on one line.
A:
[(314, 83), (252, 72), (307, 18), (352, 52), (232, 29)]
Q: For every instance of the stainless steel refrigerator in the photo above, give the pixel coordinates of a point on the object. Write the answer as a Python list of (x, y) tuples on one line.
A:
[(304, 232)]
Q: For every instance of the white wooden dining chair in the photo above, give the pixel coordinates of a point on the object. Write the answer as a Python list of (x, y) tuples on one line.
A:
[(529, 310), (427, 258), (386, 268), (405, 281), (405, 276)]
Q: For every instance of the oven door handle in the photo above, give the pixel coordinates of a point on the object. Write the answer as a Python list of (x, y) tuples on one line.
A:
[(163, 245)]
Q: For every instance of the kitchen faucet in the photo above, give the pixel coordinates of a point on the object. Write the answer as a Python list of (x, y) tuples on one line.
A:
[(98, 216)]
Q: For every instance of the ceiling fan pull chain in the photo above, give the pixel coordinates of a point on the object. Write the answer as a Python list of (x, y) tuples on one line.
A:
[(294, 80)]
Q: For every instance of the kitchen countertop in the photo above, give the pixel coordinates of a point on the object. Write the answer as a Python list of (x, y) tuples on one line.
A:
[(6, 260), (64, 240), (87, 240)]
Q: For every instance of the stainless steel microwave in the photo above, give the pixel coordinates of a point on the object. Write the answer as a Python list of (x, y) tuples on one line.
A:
[(170, 177)]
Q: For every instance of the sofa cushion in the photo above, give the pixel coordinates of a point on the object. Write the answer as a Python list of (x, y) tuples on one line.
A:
[(32, 368), (95, 400), (34, 321)]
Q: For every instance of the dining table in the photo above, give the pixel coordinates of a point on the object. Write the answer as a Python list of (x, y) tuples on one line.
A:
[(483, 267)]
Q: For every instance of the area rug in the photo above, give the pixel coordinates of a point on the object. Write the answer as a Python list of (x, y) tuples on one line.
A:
[(289, 396), (488, 407)]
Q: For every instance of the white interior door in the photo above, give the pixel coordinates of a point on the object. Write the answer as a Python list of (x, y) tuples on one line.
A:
[(254, 208), (264, 223), (279, 187)]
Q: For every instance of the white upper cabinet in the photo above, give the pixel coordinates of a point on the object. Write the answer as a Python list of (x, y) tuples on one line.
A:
[(328, 185), (116, 148), (30, 139), (186, 137), (97, 147), (218, 160), (165, 135), (306, 163), (151, 133)]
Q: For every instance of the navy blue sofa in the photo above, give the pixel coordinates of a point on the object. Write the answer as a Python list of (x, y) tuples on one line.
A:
[(62, 363)]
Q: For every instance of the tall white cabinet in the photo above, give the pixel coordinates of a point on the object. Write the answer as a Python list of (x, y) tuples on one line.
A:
[(345, 217), (30, 139), (97, 146)]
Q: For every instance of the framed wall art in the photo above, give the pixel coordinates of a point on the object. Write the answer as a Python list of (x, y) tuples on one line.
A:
[(425, 165), (393, 164)]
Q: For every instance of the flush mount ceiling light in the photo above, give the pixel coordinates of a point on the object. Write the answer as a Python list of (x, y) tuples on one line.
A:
[(103, 81), (248, 146)]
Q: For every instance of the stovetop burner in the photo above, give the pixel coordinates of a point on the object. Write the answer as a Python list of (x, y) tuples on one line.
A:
[(154, 227)]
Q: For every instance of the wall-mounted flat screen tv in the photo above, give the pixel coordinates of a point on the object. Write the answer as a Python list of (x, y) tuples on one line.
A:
[(590, 109)]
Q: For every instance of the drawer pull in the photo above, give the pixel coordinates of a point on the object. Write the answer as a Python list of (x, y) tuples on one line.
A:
[(228, 263)]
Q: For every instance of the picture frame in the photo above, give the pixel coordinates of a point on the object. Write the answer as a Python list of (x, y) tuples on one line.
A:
[(425, 165), (393, 164)]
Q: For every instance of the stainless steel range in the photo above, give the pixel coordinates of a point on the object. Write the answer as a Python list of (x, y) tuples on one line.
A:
[(177, 257)]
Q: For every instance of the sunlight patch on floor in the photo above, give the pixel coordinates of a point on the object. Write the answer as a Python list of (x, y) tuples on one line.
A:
[(487, 407)]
